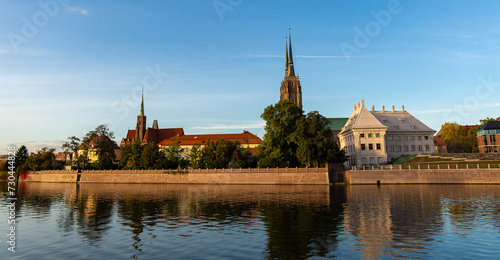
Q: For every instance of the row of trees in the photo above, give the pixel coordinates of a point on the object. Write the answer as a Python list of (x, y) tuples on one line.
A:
[(218, 154), (459, 139), (43, 159)]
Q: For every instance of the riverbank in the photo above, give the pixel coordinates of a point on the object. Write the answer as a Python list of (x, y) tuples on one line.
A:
[(272, 176)]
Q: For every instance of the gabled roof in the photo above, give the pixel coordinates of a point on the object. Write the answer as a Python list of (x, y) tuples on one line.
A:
[(362, 119), (244, 138)]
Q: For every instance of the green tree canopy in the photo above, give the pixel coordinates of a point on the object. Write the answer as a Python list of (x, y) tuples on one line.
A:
[(22, 156), (458, 139), (72, 145), (101, 140), (293, 139)]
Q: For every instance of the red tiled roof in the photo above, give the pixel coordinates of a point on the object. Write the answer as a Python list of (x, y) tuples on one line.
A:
[(159, 135), (130, 134), (244, 138), (438, 141)]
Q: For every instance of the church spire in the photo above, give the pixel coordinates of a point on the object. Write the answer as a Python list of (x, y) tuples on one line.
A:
[(290, 44), (289, 56), (286, 62), (142, 104)]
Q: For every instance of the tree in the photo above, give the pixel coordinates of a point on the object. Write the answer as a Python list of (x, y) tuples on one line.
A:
[(151, 157), (133, 158), (21, 158), (101, 141), (315, 141), (194, 156), (125, 156), (72, 146), (457, 139), (174, 159), (41, 160), (278, 149), (293, 139)]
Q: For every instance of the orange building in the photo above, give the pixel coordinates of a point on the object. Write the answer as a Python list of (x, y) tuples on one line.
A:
[(487, 137)]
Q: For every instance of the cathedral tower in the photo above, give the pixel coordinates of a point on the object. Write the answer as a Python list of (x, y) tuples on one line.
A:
[(140, 128), (290, 86)]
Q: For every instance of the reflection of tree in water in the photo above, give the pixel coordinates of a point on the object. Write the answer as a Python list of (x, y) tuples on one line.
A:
[(305, 229), (93, 216)]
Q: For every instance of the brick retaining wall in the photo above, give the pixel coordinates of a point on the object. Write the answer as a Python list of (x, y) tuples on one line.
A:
[(445, 176)]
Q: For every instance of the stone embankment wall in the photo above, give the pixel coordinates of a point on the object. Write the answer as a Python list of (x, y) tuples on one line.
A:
[(443, 176), (212, 176), (50, 176)]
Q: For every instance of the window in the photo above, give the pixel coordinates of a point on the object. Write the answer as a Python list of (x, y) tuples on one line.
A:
[(370, 146), (391, 148), (426, 138), (413, 148), (412, 138), (363, 147), (369, 135), (396, 127), (398, 148), (420, 148), (406, 148), (398, 138), (372, 160), (405, 138), (377, 135), (378, 146), (379, 160), (427, 148), (389, 138), (362, 135), (363, 160), (420, 138)]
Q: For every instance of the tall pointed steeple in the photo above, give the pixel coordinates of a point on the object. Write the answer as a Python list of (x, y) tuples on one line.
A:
[(286, 62), (140, 128), (291, 70), (290, 86), (142, 104)]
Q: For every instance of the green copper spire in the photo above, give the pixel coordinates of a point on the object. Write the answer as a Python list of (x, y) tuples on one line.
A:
[(142, 103)]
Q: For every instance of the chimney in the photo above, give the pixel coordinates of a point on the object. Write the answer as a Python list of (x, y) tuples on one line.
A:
[(362, 102), (373, 108), (403, 108), (359, 105), (393, 109), (355, 107), (383, 108)]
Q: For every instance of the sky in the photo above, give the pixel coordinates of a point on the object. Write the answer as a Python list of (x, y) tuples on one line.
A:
[(213, 66)]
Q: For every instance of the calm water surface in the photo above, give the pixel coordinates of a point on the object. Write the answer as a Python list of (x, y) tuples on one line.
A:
[(144, 221)]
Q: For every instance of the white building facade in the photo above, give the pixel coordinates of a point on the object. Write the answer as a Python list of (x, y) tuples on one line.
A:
[(373, 138)]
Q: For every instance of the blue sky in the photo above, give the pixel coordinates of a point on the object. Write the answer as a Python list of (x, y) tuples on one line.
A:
[(213, 66)]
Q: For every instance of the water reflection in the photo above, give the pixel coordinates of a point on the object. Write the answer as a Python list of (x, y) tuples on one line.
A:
[(265, 221)]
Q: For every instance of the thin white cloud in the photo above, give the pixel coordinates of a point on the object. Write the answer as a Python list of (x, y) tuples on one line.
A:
[(308, 56), (77, 9)]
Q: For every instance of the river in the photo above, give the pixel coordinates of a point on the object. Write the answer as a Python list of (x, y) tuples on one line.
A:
[(148, 221)]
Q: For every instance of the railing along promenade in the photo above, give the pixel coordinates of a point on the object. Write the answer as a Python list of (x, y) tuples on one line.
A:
[(427, 167), (217, 170)]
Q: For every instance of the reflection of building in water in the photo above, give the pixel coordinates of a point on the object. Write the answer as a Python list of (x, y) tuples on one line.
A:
[(394, 221), (368, 217)]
